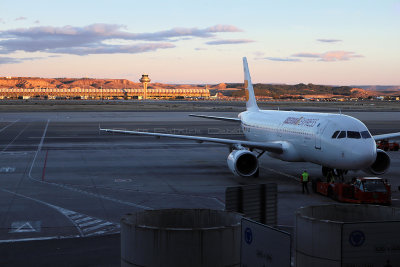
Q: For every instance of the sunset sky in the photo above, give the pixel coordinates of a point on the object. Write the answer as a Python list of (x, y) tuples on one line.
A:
[(322, 42)]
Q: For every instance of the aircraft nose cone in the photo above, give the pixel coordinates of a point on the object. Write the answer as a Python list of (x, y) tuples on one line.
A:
[(364, 156)]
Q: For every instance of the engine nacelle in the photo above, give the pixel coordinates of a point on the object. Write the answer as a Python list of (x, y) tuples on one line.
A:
[(289, 153), (381, 164), (242, 163)]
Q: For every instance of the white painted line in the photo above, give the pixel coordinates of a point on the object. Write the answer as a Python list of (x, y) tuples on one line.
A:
[(96, 227), (63, 137), (69, 212), (38, 149), (89, 223), (7, 169), (25, 227), (83, 220), (97, 233), (77, 216), (15, 138), (282, 173), (66, 213), (2, 129), (12, 153), (286, 226), (95, 195), (36, 239), (59, 209), (72, 188), (216, 199), (120, 180)]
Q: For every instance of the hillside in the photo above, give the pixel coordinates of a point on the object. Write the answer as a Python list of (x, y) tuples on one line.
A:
[(227, 89), (304, 90)]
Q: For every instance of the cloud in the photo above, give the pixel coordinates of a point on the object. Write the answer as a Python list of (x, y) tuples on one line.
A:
[(92, 39), (330, 56), (329, 40), (13, 60), (229, 41), (312, 55), (185, 32), (9, 60), (113, 49), (223, 28), (200, 49), (282, 59), (36, 21), (259, 54), (21, 18)]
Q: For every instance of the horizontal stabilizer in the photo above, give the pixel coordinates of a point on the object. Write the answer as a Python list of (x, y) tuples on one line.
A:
[(216, 118)]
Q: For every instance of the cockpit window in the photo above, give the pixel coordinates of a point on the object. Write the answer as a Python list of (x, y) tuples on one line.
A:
[(342, 134), (354, 135), (365, 134), (335, 134)]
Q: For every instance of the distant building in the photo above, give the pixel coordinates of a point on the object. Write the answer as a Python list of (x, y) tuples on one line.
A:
[(52, 93)]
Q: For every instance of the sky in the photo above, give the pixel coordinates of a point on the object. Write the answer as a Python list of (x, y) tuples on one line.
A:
[(181, 41)]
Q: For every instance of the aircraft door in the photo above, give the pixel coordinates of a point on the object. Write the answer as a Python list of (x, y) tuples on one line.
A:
[(318, 135)]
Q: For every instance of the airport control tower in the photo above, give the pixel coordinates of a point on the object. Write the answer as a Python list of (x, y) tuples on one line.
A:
[(145, 80)]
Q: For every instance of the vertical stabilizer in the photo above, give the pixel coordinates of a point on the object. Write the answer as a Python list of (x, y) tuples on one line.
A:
[(251, 103)]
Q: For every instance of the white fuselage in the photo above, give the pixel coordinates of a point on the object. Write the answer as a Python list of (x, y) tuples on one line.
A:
[(308, 136)]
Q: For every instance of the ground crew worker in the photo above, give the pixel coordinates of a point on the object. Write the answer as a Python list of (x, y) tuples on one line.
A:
[(330, 177), (304, 181)]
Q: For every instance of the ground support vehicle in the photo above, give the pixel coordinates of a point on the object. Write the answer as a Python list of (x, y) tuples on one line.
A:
[(368, 190), (386, 145)]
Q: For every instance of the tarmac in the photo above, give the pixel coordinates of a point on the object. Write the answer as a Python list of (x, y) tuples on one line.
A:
[(64, 185)]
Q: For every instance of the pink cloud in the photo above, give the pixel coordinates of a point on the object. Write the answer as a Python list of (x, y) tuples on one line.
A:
[(330, 56)]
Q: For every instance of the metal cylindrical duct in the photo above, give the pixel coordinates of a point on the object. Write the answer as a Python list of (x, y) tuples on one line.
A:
[(346, 235), (181, 237)]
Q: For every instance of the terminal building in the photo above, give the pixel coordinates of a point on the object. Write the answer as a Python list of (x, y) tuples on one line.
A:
[(78, 93), (99, 93)]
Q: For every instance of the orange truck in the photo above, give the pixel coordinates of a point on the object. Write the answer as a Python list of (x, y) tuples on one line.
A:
[(368, 190)]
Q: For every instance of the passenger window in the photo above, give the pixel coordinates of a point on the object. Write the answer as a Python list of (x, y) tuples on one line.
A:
[(335, 134), (365, 134), (342, 134), (354, 135)]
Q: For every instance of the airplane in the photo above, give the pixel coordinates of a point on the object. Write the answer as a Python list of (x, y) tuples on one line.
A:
[(337, 142)]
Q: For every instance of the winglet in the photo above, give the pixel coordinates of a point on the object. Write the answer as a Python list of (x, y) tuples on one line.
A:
[(251, 103)]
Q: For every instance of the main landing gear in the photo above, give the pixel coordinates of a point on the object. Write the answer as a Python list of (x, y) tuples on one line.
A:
[(333, 174)]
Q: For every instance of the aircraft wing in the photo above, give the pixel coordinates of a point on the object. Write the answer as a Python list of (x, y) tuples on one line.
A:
[(270, 146), (386, 136), (216, 118)]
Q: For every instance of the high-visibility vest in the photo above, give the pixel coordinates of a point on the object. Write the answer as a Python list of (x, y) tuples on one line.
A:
[(305, 177)]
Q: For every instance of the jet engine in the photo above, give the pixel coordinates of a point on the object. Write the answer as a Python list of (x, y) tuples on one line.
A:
[(242, 163), (381, 164)]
